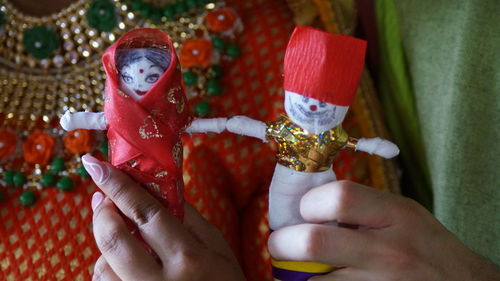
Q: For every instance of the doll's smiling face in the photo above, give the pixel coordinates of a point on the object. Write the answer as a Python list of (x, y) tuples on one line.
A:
[(140, 69), (313, 115), (138, 77)]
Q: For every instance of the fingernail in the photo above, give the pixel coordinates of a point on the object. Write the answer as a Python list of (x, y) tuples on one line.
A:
[(97, 170), (96, 200)]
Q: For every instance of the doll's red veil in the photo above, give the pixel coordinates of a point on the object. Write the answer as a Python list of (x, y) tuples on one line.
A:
[(150, 127)]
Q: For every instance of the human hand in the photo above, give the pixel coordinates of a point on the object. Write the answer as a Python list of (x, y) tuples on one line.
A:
[(397, 239), (378, 146), (194, 250)]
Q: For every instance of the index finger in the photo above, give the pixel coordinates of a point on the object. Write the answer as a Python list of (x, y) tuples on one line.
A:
[(161, 230), (350, 203)]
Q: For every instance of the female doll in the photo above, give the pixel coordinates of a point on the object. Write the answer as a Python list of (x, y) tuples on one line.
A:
[(145, 114)]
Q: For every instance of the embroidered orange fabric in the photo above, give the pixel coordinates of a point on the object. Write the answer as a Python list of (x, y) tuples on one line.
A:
[(226, 176)]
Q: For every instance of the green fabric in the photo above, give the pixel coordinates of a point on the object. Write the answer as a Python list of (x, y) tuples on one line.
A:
[(453, 55), (398, 100)]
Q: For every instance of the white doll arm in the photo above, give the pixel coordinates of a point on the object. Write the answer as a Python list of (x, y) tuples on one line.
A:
[(378, 146), (83, 120), (215, 125), (243, 125)]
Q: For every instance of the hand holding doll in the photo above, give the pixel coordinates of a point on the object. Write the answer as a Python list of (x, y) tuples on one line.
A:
[(321, 75), (145, 114), (192, 250)]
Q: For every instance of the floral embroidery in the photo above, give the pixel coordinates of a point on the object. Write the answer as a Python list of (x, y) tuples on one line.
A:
[(196, 52), (41, 41), (7, 143), (220, 20), (101, 15), (38, 148), (79, 141)]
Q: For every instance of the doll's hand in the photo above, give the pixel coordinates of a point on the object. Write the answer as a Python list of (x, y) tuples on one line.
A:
[(202, 125), (83, 120), (378, 146), (246, 126), (397, 239), (193, 251), (65, 121)]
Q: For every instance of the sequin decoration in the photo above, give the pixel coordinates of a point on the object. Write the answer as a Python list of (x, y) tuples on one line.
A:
[(302, 151), (177, 154), (171, 98), (149, 129)]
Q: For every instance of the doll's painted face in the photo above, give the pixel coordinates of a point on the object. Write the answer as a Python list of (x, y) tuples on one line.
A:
[(313, 115), (140, 69)]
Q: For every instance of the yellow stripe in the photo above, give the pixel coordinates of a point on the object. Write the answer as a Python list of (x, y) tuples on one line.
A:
[(309, 267)]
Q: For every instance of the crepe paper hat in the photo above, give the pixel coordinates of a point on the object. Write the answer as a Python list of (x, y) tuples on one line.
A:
[(323, 66)]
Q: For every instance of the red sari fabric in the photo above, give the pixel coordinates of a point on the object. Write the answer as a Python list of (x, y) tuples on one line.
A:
[(144, 135)]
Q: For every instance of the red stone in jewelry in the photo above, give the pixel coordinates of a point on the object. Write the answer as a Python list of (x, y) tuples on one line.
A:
[(141, 70)]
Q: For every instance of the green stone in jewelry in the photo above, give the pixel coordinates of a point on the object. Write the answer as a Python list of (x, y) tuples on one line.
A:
[(191, 4), (181, 7), (156, 16), (202, 108), (101, 15), (190, 78), (19, 179), (169, 12), (214, 87), (8, 178), (65, 184), (233, 51), (27, 198), (218, 43), (82, 172), (146, 11), (217, 71), (103, 148), (41, 41), (57, 164), (48, 179)]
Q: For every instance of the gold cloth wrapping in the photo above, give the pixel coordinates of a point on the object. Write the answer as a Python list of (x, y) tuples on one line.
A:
[(302, 151)]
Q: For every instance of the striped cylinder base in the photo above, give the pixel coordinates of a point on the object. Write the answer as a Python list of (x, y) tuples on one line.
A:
[(298, 271)]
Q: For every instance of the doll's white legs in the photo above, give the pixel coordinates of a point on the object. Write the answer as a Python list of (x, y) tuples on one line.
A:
[(287, 188)]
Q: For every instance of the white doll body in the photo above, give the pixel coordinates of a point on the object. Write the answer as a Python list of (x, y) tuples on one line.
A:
[(288, 185)]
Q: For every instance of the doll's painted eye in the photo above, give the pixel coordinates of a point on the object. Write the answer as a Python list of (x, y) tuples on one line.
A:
[(152, 78), (305, 100), (322, 104), (127, 79)]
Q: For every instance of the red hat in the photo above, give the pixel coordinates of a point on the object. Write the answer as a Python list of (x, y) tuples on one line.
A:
[(323, 66)]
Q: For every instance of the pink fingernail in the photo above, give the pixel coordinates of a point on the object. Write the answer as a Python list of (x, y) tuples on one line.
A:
[(97, 170), (96, 200)]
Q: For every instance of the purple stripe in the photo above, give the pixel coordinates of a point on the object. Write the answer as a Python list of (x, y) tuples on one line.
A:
[(291, 275)]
